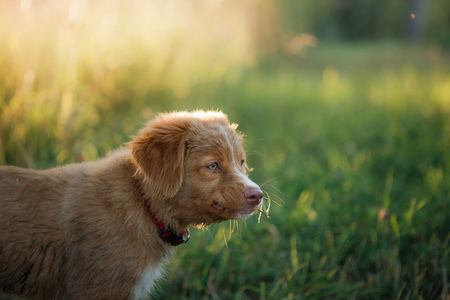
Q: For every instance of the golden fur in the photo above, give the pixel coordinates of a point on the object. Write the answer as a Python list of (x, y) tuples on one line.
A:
[(83, 231)]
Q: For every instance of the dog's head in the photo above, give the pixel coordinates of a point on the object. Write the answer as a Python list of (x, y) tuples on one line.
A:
[(197, 162)]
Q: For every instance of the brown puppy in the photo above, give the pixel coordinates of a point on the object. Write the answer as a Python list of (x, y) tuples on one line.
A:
[(103, 229)]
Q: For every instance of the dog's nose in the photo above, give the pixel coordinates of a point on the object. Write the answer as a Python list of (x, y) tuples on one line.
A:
[(253, 196)]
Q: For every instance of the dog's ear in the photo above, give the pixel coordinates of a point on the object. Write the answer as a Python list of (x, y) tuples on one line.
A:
[(159, 151)]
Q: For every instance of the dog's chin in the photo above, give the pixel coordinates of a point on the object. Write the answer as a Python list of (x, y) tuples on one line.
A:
[(243, 215)]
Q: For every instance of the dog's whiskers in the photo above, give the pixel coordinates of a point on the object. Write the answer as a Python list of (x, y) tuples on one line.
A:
[(272, 179)]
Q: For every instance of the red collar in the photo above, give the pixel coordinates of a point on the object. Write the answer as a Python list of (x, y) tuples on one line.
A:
[(166, 233)]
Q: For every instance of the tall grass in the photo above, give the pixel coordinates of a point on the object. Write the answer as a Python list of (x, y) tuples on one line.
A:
[(351, 141)]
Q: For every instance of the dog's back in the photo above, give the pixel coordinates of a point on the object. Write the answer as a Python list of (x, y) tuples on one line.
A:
[(29, 231)]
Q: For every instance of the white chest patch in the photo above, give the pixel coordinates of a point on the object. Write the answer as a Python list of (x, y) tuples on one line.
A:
[(150, 276)]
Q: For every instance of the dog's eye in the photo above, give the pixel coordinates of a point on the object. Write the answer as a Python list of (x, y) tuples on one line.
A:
[(213, 166), (242, 162)]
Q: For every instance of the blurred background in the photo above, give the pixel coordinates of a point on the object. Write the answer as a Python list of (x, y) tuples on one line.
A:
[(345, 105)]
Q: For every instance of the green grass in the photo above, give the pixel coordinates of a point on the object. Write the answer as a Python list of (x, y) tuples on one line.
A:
[(335, 137), (335, 150)]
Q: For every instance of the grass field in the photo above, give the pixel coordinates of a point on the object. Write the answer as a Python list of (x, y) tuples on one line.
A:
[(351, 143)]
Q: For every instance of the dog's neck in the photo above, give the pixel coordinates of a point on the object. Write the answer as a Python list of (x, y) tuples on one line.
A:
[(169, 229), (165, 232)]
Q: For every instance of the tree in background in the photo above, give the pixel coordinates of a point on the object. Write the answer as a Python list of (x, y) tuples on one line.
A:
[(420, 20)]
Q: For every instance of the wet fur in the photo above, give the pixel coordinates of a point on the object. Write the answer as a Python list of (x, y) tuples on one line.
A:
[(83, 231)]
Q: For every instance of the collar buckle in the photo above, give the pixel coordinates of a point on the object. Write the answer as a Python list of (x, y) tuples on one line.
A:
[(169, 236)]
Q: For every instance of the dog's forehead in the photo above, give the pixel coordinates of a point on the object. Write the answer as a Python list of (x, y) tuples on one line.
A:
[(217, 136)]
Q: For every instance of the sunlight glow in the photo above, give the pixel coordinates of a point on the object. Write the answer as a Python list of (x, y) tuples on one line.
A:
[(169, 38), (25, 5)]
